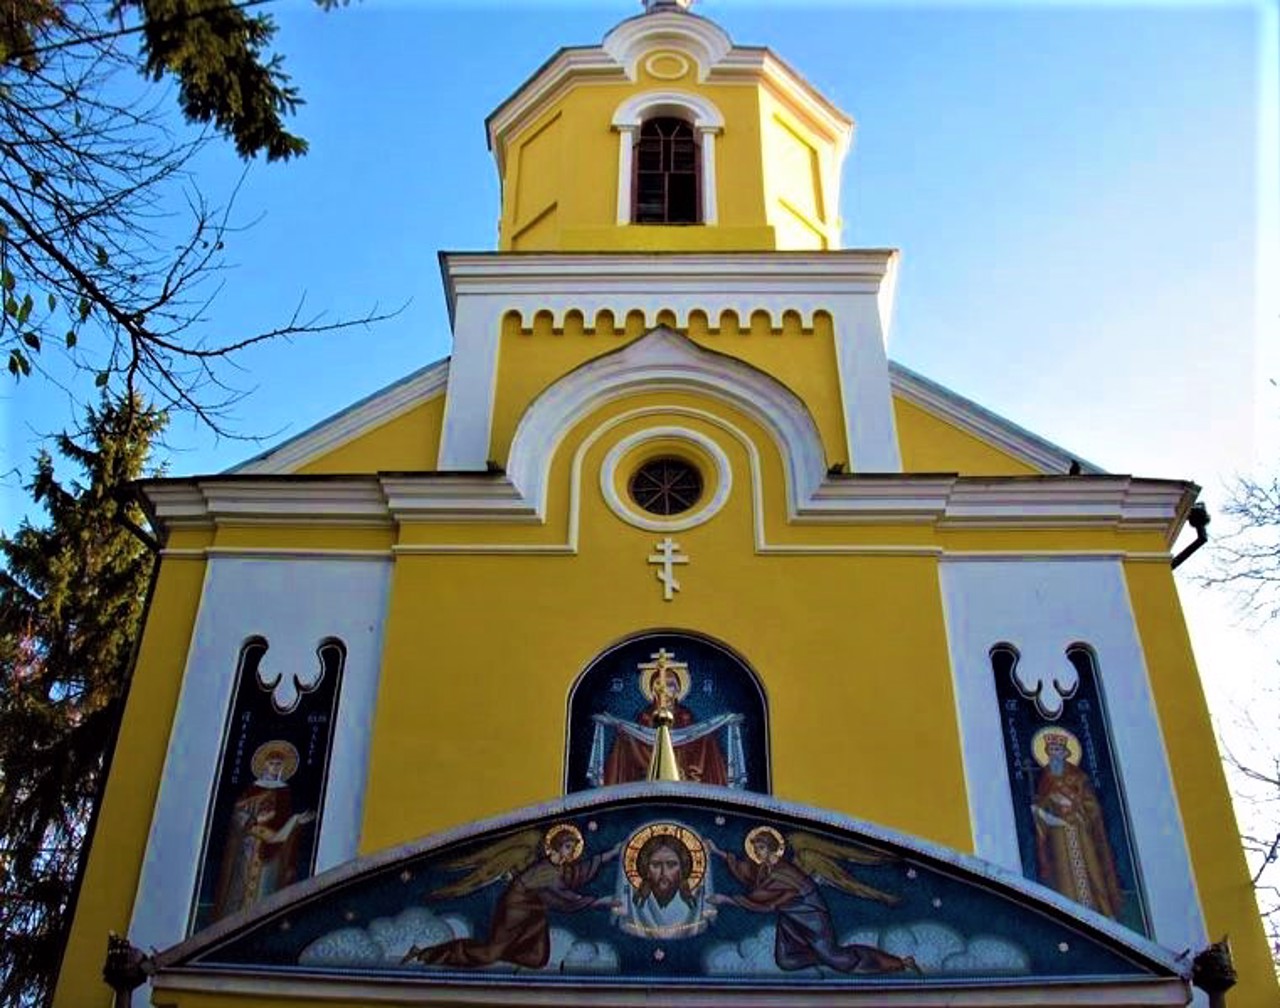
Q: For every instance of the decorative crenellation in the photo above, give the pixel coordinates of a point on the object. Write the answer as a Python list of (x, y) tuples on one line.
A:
[(620, 320)]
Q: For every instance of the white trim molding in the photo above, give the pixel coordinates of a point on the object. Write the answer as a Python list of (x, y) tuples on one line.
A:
[(1121, 503), (995, 430), (702, 511), (851, 286), (698, 111), (1154, 992), (665, 361)]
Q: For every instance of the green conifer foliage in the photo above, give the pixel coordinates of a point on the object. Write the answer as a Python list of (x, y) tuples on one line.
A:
[(72, 594)]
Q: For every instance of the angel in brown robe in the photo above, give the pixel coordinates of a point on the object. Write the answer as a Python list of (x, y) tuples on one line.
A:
[(806, 935), (548, 873)]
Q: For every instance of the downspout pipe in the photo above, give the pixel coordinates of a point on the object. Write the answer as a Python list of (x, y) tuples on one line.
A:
[(1198, 518)]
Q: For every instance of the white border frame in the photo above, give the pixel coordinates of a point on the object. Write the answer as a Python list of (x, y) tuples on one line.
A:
[(652, 523)]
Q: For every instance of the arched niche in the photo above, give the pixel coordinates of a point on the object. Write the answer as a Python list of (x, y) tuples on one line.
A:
[(721, 730), (1072, 818)]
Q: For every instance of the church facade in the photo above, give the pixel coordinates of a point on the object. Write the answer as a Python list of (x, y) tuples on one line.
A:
[(936, 733)]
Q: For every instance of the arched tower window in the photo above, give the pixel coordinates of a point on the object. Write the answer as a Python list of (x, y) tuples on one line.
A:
[(667, 188), (667, 158)]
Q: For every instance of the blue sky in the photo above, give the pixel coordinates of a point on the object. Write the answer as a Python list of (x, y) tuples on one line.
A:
[(1084, 195), (1073, 188)]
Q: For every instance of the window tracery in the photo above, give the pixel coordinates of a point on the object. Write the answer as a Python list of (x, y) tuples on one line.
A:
[(668, 180)]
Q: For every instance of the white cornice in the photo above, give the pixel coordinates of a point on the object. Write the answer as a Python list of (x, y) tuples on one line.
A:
[(967, 415), (566, 69), (557, 282), (952, 502), (376, 500), (382, 406), (256, 985), (455, 497)]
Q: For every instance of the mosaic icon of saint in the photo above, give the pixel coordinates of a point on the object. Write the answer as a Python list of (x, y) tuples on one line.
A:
[(260, 851), (788, 888), (665, 682), (1073, 854), (663, 883), (546, 873)]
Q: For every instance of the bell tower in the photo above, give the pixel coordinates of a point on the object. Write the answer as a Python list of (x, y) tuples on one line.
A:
[(668, 137)]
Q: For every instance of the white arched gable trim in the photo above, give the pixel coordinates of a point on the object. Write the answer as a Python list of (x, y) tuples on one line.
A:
[(639, 107), (698, 111), (664, 360), (705, 41)]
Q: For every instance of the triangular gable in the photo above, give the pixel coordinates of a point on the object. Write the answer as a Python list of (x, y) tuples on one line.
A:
[(563, 901), (350, 423), (1003, 435), (400, 397)]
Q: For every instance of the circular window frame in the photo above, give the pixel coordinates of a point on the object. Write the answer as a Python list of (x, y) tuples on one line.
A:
[(692, 448)]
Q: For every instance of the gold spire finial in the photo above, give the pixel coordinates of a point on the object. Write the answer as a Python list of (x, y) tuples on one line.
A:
[(662, 764)]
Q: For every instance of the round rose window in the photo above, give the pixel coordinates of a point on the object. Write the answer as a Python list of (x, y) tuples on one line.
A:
[(666, 486)]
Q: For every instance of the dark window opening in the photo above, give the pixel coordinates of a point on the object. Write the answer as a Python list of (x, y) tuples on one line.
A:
[(666, 486), (668, 185)]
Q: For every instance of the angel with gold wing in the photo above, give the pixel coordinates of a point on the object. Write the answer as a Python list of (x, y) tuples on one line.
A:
[(545, 871), (789, 888)]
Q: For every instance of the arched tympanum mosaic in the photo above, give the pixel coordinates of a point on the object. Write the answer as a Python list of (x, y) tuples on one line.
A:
[(608, 894), (1069, 807), (264, 813), (720, 731)]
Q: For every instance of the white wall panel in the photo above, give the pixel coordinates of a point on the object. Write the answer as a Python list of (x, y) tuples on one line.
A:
[(1042, 607), (294, 603)]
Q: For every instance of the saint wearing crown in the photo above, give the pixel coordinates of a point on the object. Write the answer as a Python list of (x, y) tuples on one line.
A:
[(1072, 851)]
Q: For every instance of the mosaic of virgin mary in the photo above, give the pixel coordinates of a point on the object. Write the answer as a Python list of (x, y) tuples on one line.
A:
[(664, 682), (718, 729)]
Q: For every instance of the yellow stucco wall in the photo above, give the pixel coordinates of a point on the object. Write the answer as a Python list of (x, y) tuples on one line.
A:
[(532, 356), (828, 635), (929, 444), (480, 651), (1213, 841), (802, 180), (408, 442), (120, 835), (560, 183)]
